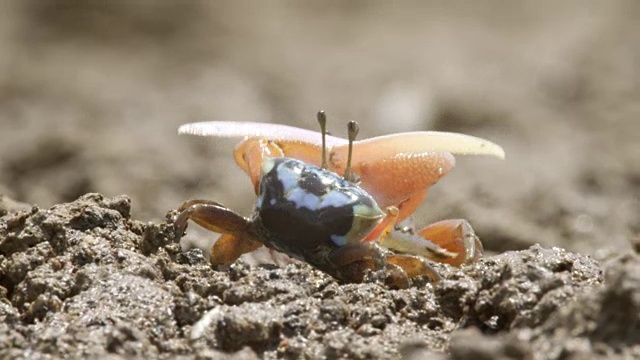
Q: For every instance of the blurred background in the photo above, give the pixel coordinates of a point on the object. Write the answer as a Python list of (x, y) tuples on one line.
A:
[(92, 92)]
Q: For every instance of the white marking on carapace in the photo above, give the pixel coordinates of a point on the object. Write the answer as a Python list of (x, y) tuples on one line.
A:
[(303, 199), (288, 177), (336, 198)]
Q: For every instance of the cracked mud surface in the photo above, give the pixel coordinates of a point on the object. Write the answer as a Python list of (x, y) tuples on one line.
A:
[(91, 95)]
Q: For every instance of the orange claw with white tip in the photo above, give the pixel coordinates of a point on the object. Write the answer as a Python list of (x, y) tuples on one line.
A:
[(397, 170)]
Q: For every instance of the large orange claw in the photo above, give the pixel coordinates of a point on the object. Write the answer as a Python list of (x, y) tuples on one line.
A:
[(397, 170)]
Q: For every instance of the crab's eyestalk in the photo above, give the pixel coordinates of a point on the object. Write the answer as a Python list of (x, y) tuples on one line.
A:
[(352, 129), (322, 120)]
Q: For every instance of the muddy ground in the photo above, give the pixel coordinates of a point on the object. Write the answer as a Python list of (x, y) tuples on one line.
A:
[(91, 96)]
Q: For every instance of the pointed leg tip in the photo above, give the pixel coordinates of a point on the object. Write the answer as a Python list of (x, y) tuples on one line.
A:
[(414, 266), (179, 225), (177, 236), (457, 237), (396, 277)]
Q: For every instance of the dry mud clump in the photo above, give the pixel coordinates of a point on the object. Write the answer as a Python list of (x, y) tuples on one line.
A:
[(85, 280)]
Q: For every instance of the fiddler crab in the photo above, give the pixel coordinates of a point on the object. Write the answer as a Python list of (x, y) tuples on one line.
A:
[(343, 225)]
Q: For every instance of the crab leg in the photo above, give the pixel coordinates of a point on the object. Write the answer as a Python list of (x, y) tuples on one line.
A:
[(210, 215), (185, 205), (354, 252), (397, 277), (456, 236), (229, 247), (451, 242), (414, 266), (236, 239), (352, 261)]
